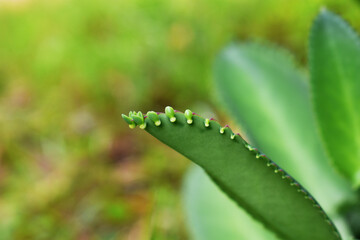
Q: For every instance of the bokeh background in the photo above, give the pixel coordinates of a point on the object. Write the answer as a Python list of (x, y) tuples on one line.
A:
[(70, 168)]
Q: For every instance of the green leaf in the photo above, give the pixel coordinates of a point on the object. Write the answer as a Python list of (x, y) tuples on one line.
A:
[(248, 177), (211, 215), (270, 99), (335, 81)]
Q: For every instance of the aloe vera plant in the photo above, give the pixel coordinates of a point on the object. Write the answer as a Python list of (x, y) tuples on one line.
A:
[(311, 129)]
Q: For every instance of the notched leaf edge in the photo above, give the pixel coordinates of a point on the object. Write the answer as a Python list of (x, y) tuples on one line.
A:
[(135, 119)]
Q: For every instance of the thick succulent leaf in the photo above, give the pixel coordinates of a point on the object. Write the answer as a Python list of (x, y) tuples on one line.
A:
[(335, 81), (270, 99), (248, 177), (211, 215)]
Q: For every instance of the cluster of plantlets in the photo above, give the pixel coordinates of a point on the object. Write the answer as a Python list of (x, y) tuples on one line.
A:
[(272, 100)]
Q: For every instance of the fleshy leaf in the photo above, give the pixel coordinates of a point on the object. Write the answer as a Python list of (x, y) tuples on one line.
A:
[(248, 177), (211, 215), (270, 99), (335, 80)]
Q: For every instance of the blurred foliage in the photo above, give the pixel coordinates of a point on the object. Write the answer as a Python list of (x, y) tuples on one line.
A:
[(68, 68)]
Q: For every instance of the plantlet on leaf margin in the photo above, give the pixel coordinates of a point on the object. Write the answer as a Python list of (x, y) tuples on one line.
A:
[(129, 121), (169, 111), (154, 117), (246, 175), (188, 114), (135, 119)]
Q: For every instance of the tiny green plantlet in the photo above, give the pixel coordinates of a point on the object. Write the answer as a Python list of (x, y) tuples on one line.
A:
[(310, 128)]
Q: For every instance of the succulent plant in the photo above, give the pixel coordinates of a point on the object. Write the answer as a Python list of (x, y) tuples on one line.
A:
[(310, 129)]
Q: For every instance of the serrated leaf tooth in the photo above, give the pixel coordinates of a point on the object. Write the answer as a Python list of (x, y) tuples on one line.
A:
[(222, 130), (281, 172), (270, 164), (289, 179), (192, 137), (317, 206), (295, 184), (328, 222), (250, 148), (260, 155), (273, 166), (302, 191)]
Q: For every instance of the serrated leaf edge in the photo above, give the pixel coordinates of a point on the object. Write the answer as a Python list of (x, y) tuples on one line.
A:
[(258, 155)]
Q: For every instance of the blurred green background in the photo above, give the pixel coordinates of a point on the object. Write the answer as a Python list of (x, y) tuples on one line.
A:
[(69, 166)]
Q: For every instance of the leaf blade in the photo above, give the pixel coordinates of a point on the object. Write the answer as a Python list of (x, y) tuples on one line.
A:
[(208, 221), (335, 69), (269, 97), (246, 176)]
